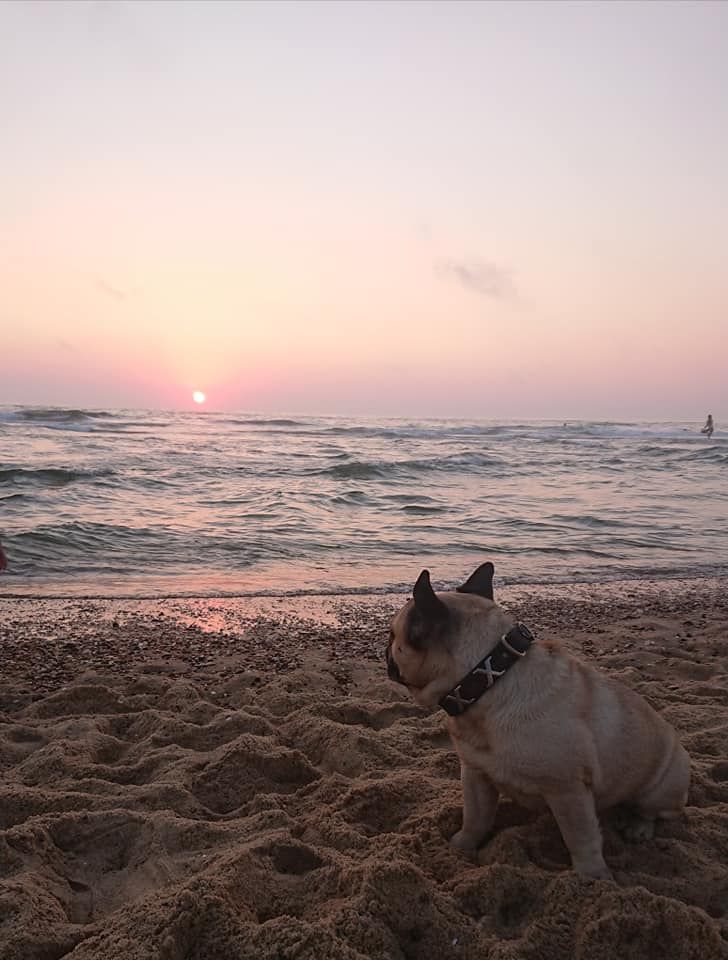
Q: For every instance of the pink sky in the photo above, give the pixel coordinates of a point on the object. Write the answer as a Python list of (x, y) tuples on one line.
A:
[(433, 209)]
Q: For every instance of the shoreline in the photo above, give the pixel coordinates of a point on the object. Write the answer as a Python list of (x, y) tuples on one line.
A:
[(47, 590), (46, 641)]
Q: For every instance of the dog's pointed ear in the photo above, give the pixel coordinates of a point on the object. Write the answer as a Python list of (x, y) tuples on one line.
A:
[(427, 603), (480, 582)]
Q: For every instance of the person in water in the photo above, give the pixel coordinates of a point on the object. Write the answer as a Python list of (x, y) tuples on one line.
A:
[(708, 428)]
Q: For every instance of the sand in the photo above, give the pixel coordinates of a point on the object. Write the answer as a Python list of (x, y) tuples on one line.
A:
[(238, 779)]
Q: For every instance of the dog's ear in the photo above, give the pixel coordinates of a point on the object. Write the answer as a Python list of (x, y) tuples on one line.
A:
[(427, 604), (480, 582)]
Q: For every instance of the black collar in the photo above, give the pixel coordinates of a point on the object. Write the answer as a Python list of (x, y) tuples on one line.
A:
[(510, 648)]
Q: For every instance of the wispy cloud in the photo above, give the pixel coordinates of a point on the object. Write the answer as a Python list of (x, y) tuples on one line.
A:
[(480, 276), (114, 292)]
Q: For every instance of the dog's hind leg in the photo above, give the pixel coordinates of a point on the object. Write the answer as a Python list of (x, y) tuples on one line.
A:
[(665, 799)]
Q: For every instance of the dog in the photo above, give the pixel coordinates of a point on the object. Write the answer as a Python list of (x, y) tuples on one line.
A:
[(533, 722)]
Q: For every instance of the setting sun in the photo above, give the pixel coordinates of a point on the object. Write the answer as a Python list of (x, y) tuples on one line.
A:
[(198, 396)]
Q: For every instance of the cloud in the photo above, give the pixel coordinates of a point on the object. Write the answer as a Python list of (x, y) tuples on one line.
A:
[(481, 277), (111, 291)]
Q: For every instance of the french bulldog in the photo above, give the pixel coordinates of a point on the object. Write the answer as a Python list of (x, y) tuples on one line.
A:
[(532, 722)]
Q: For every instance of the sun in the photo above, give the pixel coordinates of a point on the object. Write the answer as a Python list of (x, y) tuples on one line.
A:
[(198, 396)]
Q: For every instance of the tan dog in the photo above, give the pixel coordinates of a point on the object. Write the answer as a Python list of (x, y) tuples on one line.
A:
[(533, 722)]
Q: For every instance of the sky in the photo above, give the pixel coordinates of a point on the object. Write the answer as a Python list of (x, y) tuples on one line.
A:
[(395, 209)]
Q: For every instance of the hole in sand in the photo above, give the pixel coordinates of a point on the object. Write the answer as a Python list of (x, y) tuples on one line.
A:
[(719, 771), (382, 807), (294, 858)]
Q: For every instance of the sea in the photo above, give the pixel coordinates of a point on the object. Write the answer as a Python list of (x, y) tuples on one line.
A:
[(139, 503)]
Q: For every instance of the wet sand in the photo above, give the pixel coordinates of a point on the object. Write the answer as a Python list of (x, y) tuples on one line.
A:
[(238, 779)]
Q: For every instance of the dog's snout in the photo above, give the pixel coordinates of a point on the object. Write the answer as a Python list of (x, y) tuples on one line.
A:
[(392, 668), (393, 672)]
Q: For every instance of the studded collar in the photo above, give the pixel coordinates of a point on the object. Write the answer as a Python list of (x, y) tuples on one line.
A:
[(509, 649)]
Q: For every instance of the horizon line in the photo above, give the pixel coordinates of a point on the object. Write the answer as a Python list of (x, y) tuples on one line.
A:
[(197, 411)]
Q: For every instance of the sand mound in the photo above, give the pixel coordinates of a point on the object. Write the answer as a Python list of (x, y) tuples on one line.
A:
[(302, 816)]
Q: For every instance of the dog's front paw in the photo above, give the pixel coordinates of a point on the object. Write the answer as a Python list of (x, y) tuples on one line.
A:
[(466, 841), (595, 871)]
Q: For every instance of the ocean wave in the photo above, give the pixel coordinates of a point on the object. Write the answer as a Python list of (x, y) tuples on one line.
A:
[(54, 415), (89, 547), (389, 469), (402, 432), (355, 470), (714, 454), (264, 422), (451, 431), (566, 432), (49, 476), (397, 497), (97, 545), (453, 461), (631, 431), (352, 498), (81, 421), (592, 522)]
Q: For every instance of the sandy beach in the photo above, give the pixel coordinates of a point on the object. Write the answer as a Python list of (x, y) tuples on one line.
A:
[(237, 778)]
